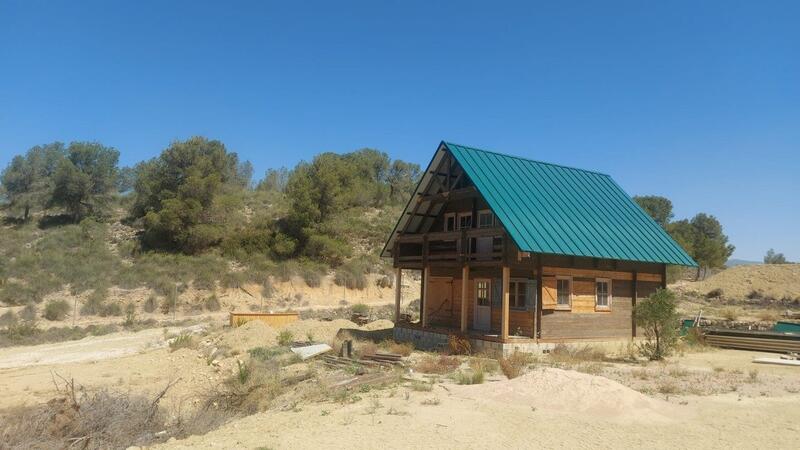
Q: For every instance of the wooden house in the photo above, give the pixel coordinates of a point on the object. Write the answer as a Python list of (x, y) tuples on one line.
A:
[(515, 251)]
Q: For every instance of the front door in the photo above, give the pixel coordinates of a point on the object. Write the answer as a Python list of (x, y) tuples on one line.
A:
[(483, 305)]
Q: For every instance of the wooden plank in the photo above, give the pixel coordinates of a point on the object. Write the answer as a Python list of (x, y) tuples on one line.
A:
[(596, 273)]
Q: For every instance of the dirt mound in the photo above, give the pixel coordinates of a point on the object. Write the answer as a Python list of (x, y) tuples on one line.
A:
[(381, 324), (318, 330), (567, 391), (251, 334), (777, 281)]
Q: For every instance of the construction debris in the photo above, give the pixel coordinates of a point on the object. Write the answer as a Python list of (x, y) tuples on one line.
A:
[(310, 351), (782, 362)]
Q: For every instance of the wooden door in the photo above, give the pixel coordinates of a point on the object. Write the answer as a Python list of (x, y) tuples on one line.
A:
[(483, 305)]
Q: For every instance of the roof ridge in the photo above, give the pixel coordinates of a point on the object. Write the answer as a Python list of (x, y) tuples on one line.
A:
[(527, 159)]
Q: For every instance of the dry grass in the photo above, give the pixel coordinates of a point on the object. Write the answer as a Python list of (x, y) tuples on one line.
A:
[(472, 376), (577, 354), (774, 281), (515, 364), (730, 313), (440, 364), (82, 419), (459, 345), (401, 348)]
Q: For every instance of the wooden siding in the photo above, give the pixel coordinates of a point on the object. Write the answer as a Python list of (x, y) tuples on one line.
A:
[(582, 321)]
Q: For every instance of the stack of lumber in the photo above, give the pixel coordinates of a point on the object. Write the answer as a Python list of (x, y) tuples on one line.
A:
[(388, 358), (765, 341)]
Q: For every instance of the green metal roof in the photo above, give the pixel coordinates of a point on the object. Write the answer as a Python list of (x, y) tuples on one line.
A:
[(547, 208)]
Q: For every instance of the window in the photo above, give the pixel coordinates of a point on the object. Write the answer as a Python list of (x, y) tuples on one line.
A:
[(602, 293), (482, 293), (517, 294), (563, 293), (464, 220), (450, 222), (485, 219)]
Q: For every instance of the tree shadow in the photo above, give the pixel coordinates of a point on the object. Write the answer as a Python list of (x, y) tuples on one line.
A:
[(55, 221)]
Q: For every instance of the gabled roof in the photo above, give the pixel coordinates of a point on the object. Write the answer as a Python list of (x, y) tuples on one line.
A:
[(552, 209)]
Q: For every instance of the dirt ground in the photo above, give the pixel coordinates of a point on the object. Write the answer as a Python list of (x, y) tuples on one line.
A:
[(714, 401), (511, 414)]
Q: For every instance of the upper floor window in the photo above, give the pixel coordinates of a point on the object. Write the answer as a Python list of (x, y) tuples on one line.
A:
[(485, 219), (450, 222), (464, 220)]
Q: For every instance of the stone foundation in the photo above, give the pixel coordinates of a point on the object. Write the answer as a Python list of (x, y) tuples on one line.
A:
[(432, 340)]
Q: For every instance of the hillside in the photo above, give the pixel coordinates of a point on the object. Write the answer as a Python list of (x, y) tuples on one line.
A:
[(763, 281)]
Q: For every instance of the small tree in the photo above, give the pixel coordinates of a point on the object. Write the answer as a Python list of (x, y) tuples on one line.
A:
[(657, 317), (774, 258)]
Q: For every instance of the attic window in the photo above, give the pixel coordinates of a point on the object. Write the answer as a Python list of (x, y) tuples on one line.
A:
[(464, 220), (485, 219)]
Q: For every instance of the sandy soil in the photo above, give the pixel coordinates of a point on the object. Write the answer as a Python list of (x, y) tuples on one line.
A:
[(544, 409), (775, 280)]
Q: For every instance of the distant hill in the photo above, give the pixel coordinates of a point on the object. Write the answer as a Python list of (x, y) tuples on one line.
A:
[(733, 262), (777, 281)]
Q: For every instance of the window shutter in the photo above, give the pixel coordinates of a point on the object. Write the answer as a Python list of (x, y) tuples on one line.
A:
[(497, 293), (530, 295)]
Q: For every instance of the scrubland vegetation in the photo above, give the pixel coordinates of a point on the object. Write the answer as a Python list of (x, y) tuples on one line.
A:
[(191, 218)]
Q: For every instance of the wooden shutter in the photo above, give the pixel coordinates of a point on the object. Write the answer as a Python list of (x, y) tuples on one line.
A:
[(549, 293)]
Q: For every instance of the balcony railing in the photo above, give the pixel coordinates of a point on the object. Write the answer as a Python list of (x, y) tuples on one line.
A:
[(474, 244)]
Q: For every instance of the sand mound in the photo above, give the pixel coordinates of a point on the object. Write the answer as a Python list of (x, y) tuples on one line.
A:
[(381, 324), (567, 391), (774, 280), (318, 330), (251, 334)]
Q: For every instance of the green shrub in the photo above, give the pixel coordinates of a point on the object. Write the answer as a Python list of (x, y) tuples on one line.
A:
[(285, 338), (29, 313), (130, 315), (169, 303), (351, 276), (150, 304), (111, 309), (360, 308), (312, 273), (56, 310), (94, 303), (212, 303), (715, 293), (183, 340), (267, 290), (8, 319), (657, 318), (327, 249)]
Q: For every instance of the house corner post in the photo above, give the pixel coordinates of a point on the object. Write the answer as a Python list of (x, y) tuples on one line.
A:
[(398, 293), (464, 297), (634, 297), (426, 272), (504, 316)]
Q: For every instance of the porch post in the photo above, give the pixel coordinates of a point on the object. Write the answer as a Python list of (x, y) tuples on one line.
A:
[(424, 304), (398, 293), (464, 297), (504, 316)]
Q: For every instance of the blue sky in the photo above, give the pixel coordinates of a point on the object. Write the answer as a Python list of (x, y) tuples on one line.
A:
[(697, 101)]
